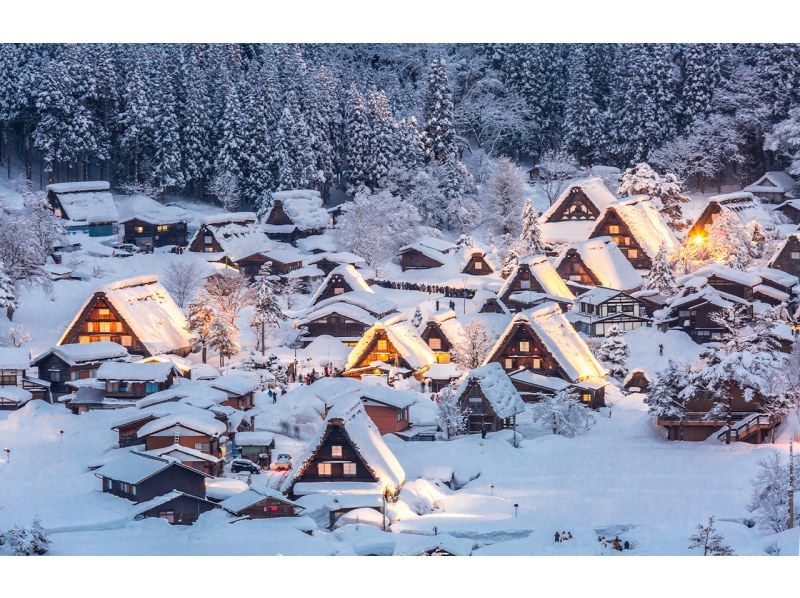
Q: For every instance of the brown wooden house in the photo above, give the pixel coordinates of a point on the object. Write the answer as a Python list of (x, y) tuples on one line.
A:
[(442, 333), (296, 214), (76, 361), (419, 257), (202, 434), (148, 223), (342, 279), (394, 343), (137, 313), (477, 261), (176, 508), (543, 341), (387, 408), (257, 446), (692, 312), (14, 364), (489, 398), (742, 204), (134, 380), (128, 428), (636, 381), (341, 320), (194, 458), (597, 262), (260, 502), (584, 200), (637, 229), (349, 455), (787, 256), (239, 389), (139, 477)]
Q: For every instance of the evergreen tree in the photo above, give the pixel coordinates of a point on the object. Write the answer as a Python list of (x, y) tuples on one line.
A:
[(710, 540), (614, 353), (294, 155), (358, 139), (439, 129), (267, 312), (8, 298), (257, 175), (410, 147), (771, 492), (450, 414), (667, 396), (168, 158), (503, 195), (135, 120), (196, 125), (661, 277), (562, 414), (199, 318), (530, 239), (382, 139), (702, 72), (416, 319), (223, 338), (581, 114), (641, 179)]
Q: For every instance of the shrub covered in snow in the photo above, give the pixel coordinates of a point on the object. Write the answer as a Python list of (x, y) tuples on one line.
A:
[(562, 413)]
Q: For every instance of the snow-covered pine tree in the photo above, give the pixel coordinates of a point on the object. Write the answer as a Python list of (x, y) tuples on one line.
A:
[(416, 319), (8, 298), (503, 196), (321, 113), (294, 156), (667, 397), (410, 148), (701, 78), (709, 540), (357, 135), (440, 138), (198, 319), (135, 120), (267, 312), (580, 113), (167, 170), (770, 497), (614, 352), (784, 140), (661, 277), (641, 179), (257, 150), (758, 239), (530, 239), (562, 414), (195, 125), (452, 417), (473, 346), (230, 155), (223, 338), (729, 240)]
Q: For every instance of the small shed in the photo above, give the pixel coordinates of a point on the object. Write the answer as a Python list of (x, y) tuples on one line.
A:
[(260, 502)]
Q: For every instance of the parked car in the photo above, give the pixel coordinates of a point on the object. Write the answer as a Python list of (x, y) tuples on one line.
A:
[(282, 463), (239, 465)]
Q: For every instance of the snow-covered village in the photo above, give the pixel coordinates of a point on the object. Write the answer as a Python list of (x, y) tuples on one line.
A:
[(399, 299)]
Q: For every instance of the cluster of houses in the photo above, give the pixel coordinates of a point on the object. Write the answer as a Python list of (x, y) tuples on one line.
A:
[(126, 346)]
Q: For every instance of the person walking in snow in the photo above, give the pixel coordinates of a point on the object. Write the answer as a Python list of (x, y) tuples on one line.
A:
[(557, 537), (483, 432), (661, 349)]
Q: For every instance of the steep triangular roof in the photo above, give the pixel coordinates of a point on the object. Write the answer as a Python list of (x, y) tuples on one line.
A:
[(404, 338), (496, 387), (595, 191), (606, 262), (644, 222), (545, 275), (350, 275)]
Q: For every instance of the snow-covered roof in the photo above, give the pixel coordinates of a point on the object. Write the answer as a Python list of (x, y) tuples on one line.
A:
[(14, 358), (233, 384), (445, 542), (526, 376), (337, 257), (777, 276), (134, 467), (14, 394), (429, 252), (135, 372), (149, 505), (721, 271), (187, 391), (773, 182), (229, 217), (645, 223), (597, 295), (443, 371), (366, 440), (74, 353), (342, 308), (476, 248), (496, 387), (606, 262), (595, 190), (148, 210), (403, 337), (284, 255), (439, 245), (746, 206), (239, 502), (182, 454), (350, 275), (385, 395), (478, 301), (449, 325), (197, 422), (150, 311), (561, 340), (86, 202), (304, 207), (544, 273), (255, 438)]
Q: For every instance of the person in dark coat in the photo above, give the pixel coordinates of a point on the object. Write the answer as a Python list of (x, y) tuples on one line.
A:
[(483, 432), (557, 537), (626, 545), (437, 305)]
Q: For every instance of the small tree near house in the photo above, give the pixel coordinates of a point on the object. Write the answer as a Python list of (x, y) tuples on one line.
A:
[(772, 490), (224, 338), (562, 414), (614, 353), (24, 541), (182, 278), (267, 311), (667, 397), (709, 540), (451, 416), (661, 277), (8, 298), (473, 346), (199, 319)]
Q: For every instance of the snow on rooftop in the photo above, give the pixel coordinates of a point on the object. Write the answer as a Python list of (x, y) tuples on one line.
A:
[(350, 275), (597, 295), (549, 382), (133, 467), (14, 358), (255, 438), (645, 223), (148, 210), (79, 186), (188, 391), (777, 276), (139, 372), (304, 207), (234, 384), (593, 188), (182, 453), (239, 502), (561, 340), (74, 353), (606, 262), (544, 273), (86, 202), (229, 217), (14, 394), (497, 388), (775, 181), (150, 311), (342, 308), (727, 273), (406, 341), (197, 421), (439, 245), (429, 252)]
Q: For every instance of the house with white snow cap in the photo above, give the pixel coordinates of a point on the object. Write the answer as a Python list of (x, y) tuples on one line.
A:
[(137, 313), (489, 398), (296, 214), (573, 214), (425, 253), (774, 187), (597, 262), (87, 207), (532, 282)]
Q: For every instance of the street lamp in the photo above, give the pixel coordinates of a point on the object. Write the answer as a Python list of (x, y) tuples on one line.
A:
[(8, 454), (61, 435), (491, 489), (516, 509)]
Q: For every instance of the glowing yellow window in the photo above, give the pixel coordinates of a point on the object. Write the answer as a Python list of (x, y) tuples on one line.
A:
[(524, 346), (383, 344), (442, 358), (479, 265), (336, 451), (104, 312), (323, 469), (435, 344), (125, 341), (105, 327), (84, 339), (139, 229), (613, 229)]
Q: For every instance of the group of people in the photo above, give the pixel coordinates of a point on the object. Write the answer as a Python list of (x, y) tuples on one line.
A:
[(458, 293), (563, 536), (615, 544)]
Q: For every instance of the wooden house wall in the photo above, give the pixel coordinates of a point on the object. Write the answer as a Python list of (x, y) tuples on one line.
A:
[(168, 479), (573, 269), (481, 414), (268, 508), (624, 239), (150, 235), (375, 353), (278, 215), (182, 510), (412, 259), (511, 357), (251, 265), (472, 266), (576, 206), (205, 241), (336, 325), (791, 213), (388, 419), (64, 372), (193, 441), (335, 283), (136, 390), (784, 260), (731, 287), (89, 323), (335, 436), (434, 331)]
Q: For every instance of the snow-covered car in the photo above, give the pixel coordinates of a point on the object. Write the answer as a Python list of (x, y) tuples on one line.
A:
[(246, 465), (282, 463)]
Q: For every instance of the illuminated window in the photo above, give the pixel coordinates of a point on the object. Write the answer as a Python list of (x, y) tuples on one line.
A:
[(796, 255), (435, 344), (479, 265), (443, 358), (84, 339), (613, 229), (104, 312), (350, 469), (336, 451), (338, 290), (125, 340), (509, 364), (383, 344), (162, 228), (524, 346), (139, 229), (537, 363), (586, 397), (105, 327), (575, 277), (323, 469), (633, 253)]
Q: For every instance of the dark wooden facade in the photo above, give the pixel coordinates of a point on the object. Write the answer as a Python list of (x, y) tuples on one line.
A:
[(183, 509), (731, 287), (694, 318), (205, 241), (267, 508), (413, 259), (788, 258), (250, 266), (337, 325), (135, 389), (437, 340), (791, 211), (572, 268), (637, 381), (172, 477), (334, 285), (278, 217), (128, 432), (612, 225), (524, 280), (143, 234), (481, 414), (100, 321), (58, 372), (194, 439), (380, 349), (477, 265), (575, 206)]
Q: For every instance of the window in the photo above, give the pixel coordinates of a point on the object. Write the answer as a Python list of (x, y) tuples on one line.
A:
[(55, 375), (537, 363), (575, 277), (169, 516), (586, 397), (203, 447), (104, 327), (383, 344), (703, 333), (323, 469), (399, 416), (435, 343), (796, 255), (613, 229), (336, 451), (84, 339), (338, 290), (683, 313), (125, 340), (8, 379), (478, 265), (524, 346), (509, 364), (209, 239), (524, 284), (162, 228), (104, 312), (350, 468), (612, 309), (139, 229), (633, 253), (150, 387), (108, 484), (628, 309)]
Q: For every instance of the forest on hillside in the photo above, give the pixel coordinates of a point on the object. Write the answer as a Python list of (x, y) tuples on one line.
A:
[(238, 121)]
